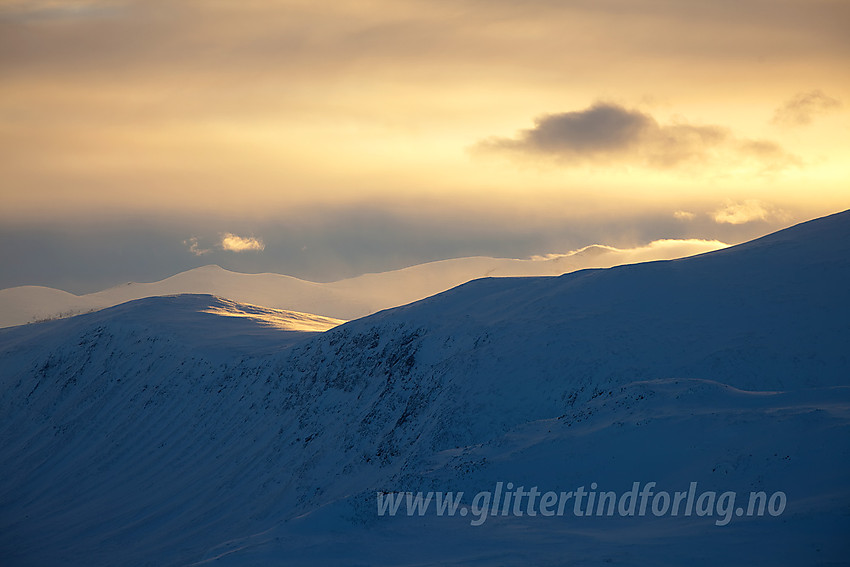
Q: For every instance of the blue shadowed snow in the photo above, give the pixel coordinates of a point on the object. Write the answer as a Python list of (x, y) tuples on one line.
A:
[(193, 430)]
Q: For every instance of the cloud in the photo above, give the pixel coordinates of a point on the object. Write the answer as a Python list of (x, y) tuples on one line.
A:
[(684, 215), (234, 243), (749, 210), (229, 241), (802, 108), (195, 248), (607, 132), (599, 129)]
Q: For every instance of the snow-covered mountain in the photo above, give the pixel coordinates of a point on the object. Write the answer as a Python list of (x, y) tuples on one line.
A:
[(190, 430), (345, 299)]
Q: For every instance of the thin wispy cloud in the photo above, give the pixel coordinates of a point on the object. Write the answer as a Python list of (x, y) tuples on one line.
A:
[(665, 248), (749, 210), (803, 107), (195, 248), (610, 133), (54, 9)]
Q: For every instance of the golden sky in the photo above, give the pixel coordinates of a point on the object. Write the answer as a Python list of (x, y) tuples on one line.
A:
[(520, 111)]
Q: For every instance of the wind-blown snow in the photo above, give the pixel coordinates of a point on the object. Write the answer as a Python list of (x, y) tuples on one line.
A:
[(280, 319), (163, 432)]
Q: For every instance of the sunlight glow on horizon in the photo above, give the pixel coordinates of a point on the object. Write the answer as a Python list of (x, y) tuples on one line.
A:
[(113, 109)]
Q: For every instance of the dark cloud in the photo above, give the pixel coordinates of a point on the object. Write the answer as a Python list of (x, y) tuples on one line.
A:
[(603, 128), (802, 108), (607, 132)]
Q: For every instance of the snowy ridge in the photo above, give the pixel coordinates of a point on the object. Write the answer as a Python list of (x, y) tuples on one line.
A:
[(159, 432), (345, 299)]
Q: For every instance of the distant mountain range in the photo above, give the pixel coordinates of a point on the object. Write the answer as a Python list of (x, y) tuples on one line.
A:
[(194, 430), (345, 299)]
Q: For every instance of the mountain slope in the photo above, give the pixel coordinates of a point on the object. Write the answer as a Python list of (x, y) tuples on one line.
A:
[(347, 299), (143, 435)]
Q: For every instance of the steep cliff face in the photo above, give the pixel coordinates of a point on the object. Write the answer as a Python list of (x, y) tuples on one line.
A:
[(182, 429)]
